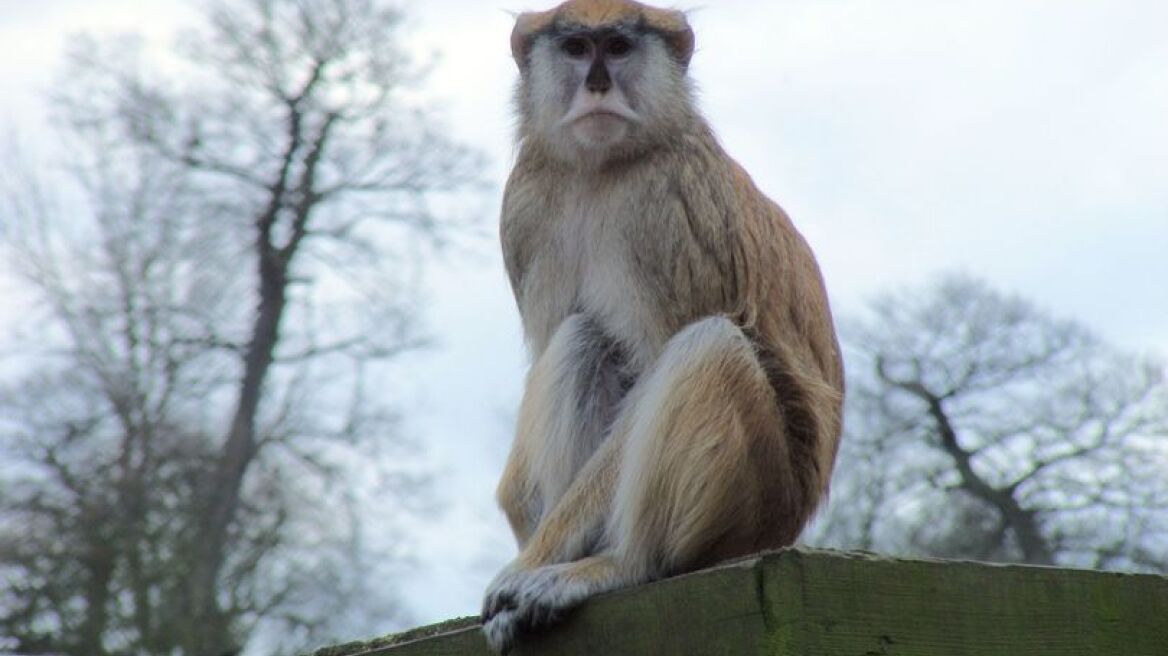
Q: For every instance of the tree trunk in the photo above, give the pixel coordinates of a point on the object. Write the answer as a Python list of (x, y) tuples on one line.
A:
[(99, 563), (209, 630), (1023, 522)]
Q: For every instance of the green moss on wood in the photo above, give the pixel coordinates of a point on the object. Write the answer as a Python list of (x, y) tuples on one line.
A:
[(378, 645)]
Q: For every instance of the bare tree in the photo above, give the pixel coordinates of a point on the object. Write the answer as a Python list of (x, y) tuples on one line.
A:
[(981, 427), (234, 255)]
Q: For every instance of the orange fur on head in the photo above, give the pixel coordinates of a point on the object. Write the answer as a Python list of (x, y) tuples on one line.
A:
[(586, 14)]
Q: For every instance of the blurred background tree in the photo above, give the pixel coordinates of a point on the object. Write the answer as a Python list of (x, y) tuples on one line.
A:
[(980, 427), (231, 250)]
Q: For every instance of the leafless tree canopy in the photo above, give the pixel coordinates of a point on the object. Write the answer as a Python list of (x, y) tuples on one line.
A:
[(229, 254), (981, 427)]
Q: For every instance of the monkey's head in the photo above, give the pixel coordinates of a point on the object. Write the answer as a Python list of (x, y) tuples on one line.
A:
[(602, 78)]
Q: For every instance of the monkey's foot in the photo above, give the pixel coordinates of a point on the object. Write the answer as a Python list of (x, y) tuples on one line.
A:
[(523, 600)]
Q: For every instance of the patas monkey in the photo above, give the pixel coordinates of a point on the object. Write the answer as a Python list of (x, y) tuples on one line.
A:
[(683, 405)]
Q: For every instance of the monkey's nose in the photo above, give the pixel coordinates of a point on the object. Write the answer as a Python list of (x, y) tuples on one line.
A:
[(598, 80)]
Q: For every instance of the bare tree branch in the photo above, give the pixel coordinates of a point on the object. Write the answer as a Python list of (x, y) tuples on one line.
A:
[(973, 397), (179, 446)]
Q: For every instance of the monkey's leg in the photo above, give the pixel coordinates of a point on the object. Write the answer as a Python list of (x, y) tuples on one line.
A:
[(569, 402), (695, 470)]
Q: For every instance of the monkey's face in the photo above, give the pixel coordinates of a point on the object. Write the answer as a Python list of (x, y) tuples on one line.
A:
[(597, 92), (594, 69)]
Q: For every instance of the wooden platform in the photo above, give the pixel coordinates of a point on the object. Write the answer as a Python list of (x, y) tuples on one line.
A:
[(821, 603)]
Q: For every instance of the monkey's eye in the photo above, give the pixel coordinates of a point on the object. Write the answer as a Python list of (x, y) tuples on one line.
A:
[(575, 46), (618, 46)]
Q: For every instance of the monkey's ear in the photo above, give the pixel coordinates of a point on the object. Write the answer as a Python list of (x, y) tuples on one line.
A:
[(682, 43), (673, 25), (527, 25)]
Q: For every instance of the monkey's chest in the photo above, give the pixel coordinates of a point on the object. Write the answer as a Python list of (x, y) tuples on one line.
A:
[(613, 289), (597, 272)]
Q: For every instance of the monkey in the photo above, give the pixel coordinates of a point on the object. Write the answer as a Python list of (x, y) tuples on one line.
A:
[(683, 403)]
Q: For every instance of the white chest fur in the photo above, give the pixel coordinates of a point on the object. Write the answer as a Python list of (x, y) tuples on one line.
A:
[(587, 265)]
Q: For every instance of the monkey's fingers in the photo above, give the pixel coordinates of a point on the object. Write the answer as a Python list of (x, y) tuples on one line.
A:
[(546, 594), (498, 601), (500, 631), (502, 593)]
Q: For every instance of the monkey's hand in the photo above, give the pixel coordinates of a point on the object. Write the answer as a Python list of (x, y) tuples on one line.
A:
[(521, 599)]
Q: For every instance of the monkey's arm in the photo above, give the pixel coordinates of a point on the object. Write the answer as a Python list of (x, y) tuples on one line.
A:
[(523, 222)]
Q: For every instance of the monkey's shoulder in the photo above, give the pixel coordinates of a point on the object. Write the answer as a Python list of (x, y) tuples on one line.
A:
[(524, 222), (688, 210)]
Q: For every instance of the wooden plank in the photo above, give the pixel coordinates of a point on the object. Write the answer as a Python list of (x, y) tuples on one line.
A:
[(717, 611), (816, 603), (456, 636), (827, 604)]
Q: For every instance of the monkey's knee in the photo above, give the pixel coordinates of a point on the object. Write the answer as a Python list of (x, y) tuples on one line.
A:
[(568, 330), (715, 346), (713, 332), (577, 350), (564, 343)]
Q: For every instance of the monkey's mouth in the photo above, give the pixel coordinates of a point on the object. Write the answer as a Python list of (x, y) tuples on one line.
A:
[(600, 113), (601, 116)]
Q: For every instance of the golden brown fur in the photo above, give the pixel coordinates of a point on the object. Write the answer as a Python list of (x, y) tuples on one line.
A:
[(683, 405), (599, 13)]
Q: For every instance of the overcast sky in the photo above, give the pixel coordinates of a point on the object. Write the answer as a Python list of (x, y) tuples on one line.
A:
[(1022, 141)]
